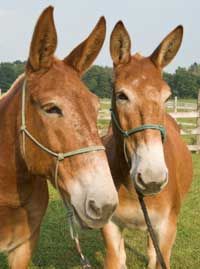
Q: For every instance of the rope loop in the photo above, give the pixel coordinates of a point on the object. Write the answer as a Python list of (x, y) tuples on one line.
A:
[(61, 156), (125, 134), (22, 127)]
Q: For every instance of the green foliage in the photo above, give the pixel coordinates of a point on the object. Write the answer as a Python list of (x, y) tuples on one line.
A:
[(184, 82), (9, 72), (99, 81)]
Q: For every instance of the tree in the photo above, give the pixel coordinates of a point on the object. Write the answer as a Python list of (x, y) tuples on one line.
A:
[(9, 72), (184, 82)]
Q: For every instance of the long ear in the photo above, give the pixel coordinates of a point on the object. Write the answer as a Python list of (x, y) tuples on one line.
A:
[(84, 54), (120, 44), (168, 48), (44, 42)]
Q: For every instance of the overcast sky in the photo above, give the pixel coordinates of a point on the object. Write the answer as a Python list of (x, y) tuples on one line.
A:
[(147, 21)]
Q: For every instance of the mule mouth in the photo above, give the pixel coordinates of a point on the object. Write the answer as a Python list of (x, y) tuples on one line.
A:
[(150, 191), (150, 188), (147, 192)]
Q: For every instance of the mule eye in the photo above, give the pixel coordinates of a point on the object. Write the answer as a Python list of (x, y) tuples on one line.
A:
[(53, 110), (122, 96)]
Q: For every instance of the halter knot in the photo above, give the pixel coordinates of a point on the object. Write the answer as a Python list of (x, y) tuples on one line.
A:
[(61, 156), (126, 134), (23, 127)]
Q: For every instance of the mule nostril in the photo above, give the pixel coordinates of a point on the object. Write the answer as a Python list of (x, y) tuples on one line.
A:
[(93, 210), (103, 212)]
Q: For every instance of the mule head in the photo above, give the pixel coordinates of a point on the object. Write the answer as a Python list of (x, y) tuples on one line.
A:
[(61, 113), (139, 98)]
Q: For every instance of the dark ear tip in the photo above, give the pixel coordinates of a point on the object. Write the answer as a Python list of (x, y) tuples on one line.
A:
[(47, 12), (101, 24), (49, 9), (180, 28), (119, 24), (102, 20)]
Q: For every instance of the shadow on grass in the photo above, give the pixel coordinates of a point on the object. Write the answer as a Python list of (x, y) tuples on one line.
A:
[(57, 250)]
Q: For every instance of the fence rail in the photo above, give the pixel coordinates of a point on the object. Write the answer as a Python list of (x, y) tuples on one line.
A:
[(194, 114)]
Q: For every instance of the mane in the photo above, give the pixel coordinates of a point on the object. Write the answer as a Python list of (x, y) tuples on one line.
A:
[(138, 56)]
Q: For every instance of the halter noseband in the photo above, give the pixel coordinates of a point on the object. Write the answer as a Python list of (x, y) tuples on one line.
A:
[(140, 128), (59, 157)]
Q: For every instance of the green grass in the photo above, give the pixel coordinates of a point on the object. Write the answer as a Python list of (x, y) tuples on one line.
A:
[(56, 250)]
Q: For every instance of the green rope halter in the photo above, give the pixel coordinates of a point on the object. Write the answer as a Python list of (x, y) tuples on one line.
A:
[(59, 157), (139, 128)]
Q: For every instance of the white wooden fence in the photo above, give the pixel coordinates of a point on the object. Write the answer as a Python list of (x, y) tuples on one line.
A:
[(193, 113)]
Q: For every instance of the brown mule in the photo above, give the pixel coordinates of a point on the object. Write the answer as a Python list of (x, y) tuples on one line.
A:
[(141, 161), (61, 113)]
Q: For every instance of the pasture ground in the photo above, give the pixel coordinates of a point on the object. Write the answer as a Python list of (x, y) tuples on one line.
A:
[(56, 250)]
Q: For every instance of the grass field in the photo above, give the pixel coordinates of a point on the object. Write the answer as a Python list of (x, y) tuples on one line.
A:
[(56, 250)]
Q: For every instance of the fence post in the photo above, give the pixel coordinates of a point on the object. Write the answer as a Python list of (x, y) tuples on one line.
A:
[(198, 122), (175, 104)]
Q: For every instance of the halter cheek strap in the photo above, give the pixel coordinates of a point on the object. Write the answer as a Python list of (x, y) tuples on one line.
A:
[(59, 157), (140, 128)]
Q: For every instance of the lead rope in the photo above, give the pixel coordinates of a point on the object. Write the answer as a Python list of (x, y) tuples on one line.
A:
[(151, 232), (85, 264), (140, 196), (148, 221), (149, 226)]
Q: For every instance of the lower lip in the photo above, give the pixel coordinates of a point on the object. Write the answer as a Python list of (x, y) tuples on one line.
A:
[(146, 193)]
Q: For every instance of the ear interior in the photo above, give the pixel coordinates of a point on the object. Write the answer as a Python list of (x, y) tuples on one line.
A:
[(84, 54), (120, 44), (168, 48), (44, 42)]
